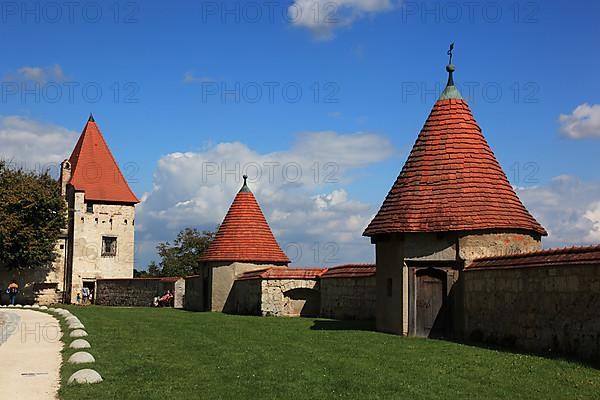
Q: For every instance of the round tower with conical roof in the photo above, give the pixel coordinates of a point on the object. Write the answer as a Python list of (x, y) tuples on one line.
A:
[(451, 203), (243, 243)]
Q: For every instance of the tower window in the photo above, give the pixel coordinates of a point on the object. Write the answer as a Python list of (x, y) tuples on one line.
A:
[(109, 246), (89, 207)]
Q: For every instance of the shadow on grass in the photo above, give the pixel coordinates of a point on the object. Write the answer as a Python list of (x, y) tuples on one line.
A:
[(511, 348), (337, 325)]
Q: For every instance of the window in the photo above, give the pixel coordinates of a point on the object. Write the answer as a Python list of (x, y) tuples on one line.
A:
[(109, 246), (89, 207), (389, 287)]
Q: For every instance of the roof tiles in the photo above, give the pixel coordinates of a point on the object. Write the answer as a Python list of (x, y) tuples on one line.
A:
[(245, 235), (95, 171), (544, 258), (451, 181)]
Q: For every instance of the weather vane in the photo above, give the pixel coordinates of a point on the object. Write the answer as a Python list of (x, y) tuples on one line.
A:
[(450, 52)]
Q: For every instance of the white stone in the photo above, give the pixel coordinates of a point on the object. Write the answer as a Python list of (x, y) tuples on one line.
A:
[(78, 333), (19, 306), (43, 308), (81, 357), (80, 344), (36, 306), (26, 306), (85, 376), (72, 319), (75, 325)]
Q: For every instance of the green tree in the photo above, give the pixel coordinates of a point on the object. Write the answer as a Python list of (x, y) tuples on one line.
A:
[(32, 215), (181, 257)]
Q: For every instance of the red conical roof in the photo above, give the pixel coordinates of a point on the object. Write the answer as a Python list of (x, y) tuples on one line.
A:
[(451, 180), (245, 235), (95, 171)]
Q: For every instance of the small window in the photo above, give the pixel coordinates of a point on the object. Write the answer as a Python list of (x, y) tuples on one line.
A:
[(109, 246), (89, 207), (389, 287)]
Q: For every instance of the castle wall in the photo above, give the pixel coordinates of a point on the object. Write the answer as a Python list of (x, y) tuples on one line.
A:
[(87, 230), (348, 298), (194, 293), (137, 292), (550, 308), (290, 297), (222, 278)]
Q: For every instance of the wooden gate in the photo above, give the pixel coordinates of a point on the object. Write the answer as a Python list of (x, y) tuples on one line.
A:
[(430, 299)]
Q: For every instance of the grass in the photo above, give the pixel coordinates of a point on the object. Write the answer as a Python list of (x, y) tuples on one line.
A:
[(146, 353)]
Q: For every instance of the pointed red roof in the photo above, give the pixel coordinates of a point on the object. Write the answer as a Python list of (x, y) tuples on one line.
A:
[(245, 235), (451, 180), (95, 171)]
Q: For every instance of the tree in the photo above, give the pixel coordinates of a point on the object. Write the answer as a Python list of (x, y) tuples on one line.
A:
[(152, 271), (32, 215), (182, 257)]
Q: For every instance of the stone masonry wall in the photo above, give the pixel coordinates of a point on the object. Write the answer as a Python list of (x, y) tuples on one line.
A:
[(290, 297), (88, 228), (134, 292), (538, 309), (194, 295), (349, 298)]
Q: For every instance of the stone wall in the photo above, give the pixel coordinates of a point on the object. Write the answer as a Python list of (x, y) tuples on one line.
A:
[(246, 298), (222, 278), (541, 309), (290, 297), (348, 298), (137, 292), (194, 294)]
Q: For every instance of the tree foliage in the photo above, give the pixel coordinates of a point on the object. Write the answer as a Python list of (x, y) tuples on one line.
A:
[(181, 258), (32, 215)]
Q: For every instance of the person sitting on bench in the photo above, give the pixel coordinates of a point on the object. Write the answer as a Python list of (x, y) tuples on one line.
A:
[(165, 300)]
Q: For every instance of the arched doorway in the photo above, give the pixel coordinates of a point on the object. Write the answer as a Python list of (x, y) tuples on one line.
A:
[(430, 293)]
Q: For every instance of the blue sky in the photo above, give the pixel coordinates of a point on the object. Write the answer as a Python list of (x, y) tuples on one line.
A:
[(375, 70)]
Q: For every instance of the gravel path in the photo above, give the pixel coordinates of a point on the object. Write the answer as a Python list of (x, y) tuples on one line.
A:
[(30, 349)]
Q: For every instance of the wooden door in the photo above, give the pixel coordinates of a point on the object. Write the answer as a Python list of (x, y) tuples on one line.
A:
[(430, 297)]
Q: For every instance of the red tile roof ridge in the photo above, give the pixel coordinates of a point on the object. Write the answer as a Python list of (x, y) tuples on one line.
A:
[(358, 265), (543, 252)]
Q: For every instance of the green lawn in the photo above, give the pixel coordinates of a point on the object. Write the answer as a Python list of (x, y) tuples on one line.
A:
[(146, 353)]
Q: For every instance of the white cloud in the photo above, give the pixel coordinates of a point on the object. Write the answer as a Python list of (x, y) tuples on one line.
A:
[(568, 208), (321, 18), (301, 191), (583, 122), (37, 74), (34, 145)]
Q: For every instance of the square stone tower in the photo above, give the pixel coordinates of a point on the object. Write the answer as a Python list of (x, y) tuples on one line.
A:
[(101, 216)]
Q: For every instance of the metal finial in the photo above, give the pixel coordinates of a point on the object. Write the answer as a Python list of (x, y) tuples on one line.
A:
[(91, 118), (245, 187), (450, 92)]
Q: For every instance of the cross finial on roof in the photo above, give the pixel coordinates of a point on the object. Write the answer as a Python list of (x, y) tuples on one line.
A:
[(450, 52), (91, 118)]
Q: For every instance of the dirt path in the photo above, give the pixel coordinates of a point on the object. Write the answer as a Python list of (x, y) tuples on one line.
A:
[(30, 356)]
